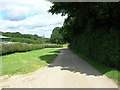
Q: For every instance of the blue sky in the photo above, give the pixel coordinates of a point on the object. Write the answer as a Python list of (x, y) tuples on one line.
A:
[(28, 17)]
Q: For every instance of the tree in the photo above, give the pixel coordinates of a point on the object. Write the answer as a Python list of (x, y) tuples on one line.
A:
[(25, 38), (56, 36), (92, 29)]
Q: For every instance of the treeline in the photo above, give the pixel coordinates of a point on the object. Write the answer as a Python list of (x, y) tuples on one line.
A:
[(92, 29), (25, 38), (56, 36)]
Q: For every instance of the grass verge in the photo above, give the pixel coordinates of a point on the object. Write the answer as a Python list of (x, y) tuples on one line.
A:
[(108, 71), (21, 63)]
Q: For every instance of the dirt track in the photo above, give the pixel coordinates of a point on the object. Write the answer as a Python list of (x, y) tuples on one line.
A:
[(67, 71)]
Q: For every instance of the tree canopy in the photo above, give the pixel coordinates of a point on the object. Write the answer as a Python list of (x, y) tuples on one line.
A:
[(80, 14), (56, 36), (25, 38), (92, 28)]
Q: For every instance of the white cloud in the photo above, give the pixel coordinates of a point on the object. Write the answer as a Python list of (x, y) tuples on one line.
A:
[(29, 17), (45, 19), (35, 6), (15, 13), (33, 25), (19, 9)]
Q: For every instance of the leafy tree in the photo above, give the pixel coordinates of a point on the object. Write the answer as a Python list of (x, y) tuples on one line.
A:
[(24, 38), (92, 29), (56, 36)]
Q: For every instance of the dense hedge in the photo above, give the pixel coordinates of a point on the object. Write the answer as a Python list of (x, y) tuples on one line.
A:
[(25, 40), (53, 46), (19, 47), (99, 45), (92, 29)]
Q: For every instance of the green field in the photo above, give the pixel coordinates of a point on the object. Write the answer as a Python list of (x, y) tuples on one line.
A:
[(108, 71), (21, 63)]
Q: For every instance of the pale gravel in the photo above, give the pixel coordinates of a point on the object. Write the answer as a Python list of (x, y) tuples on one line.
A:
[(67, 71)]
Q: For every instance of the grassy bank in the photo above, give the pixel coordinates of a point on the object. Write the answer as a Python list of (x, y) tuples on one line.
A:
[(21, 63), (108, 71)]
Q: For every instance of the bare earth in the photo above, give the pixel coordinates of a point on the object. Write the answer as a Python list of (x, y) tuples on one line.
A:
[(67, 71)]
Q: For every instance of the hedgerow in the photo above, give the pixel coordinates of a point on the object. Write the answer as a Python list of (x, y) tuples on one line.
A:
[(21, 47), (92, 29), (99, 45)]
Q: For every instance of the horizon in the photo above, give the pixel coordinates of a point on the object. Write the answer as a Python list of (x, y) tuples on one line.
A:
[(21, 16), (23, 34)]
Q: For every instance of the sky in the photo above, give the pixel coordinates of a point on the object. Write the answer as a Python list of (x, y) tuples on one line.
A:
[(28, 17)]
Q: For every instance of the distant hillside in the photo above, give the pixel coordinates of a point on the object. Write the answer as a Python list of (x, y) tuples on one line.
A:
[(25, 38)]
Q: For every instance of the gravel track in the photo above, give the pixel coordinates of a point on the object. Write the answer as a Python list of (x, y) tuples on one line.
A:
[(67, 71)]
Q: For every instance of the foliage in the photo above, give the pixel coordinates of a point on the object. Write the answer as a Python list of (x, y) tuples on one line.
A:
[(17, 47), (21, 47), (53, 46), (99, 46), (108, 71), (56, 36), (24, 38), (25, 62), (47, 40), (92, 29)]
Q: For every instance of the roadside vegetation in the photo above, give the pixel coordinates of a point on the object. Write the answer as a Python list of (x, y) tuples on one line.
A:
[(108, 71), (25, 62), (25, 38), (23, 47), (92, 30), (56, 36)]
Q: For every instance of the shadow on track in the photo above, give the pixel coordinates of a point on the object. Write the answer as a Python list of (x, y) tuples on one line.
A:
[(69, 61)]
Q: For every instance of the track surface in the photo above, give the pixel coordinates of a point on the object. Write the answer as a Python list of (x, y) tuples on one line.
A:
[(67, 71)]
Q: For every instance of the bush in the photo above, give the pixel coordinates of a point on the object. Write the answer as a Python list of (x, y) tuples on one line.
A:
[(53, 46), (21, 47), (26, 40), (99, 45)]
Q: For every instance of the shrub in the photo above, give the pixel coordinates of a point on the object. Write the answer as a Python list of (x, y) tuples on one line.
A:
[(53, 46), (20, 47), (26, 40), (99, 45)]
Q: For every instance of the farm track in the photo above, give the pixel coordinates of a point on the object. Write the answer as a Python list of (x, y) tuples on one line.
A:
[(67, 71)]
